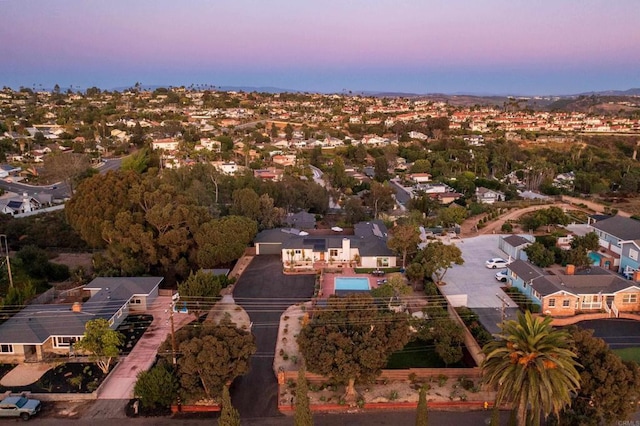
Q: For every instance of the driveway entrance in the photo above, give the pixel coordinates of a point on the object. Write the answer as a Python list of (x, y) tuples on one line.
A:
[(265, 293)]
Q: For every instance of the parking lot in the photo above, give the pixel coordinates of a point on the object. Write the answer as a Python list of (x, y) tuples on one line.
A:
[(473, 278), (477, 283)]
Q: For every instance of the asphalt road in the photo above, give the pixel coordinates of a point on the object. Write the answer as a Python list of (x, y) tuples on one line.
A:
[(402, 196), (369, 418), (265, 292), (618, 333), (59, 190)]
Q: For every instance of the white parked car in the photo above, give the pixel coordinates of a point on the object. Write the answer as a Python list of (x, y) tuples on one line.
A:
[(502, 276), (496, 262)]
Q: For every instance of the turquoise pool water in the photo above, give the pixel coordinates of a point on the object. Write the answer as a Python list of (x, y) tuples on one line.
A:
[(595, 258), (351, 283)]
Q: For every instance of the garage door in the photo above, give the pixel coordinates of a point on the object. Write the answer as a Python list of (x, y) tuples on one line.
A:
[(269, 248)]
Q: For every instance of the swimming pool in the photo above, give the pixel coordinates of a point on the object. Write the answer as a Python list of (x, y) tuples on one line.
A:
[(595, 258), (351, 283)]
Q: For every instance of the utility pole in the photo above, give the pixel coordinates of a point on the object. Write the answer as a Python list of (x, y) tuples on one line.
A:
[(4, 245), (174, 299), (173, 333), (505, 304)]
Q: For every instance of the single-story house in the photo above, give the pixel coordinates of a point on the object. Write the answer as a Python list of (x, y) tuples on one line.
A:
[(300, 220), (368, 246), (514, 245), (569, 291), (39, 332)]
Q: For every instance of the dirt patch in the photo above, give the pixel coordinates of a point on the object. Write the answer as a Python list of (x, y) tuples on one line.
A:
[(440, 389), (64, 409), (75, 260)]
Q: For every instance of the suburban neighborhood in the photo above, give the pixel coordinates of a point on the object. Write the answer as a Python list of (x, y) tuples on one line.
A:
[(171, 251)]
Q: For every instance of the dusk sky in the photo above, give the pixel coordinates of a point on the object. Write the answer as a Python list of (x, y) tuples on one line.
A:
[(419, 46)]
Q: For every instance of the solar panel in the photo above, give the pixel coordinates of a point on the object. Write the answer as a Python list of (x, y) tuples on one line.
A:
[(376, 231)]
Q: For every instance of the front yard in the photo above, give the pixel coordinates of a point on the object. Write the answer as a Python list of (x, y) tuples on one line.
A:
[(70, 377)]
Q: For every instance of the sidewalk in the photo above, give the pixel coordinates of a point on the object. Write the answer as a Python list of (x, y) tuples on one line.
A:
[(120, 383), (25, 374)]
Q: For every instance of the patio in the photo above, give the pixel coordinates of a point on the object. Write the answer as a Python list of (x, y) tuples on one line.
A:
[(328, 279)]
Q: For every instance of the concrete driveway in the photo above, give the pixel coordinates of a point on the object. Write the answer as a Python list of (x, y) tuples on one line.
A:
[(472, 278), (477, 284), (265, 293)]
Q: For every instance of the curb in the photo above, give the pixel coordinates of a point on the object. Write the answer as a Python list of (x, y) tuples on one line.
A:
[(435, 405)]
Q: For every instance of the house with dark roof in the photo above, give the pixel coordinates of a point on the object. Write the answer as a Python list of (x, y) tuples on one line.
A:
[(612, 231), (569, 291), (513, 245), (367, 246), (300, 220), (40, 332)]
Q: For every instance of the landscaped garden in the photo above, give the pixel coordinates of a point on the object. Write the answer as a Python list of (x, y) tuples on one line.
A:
[(132, 328), (70, 377)]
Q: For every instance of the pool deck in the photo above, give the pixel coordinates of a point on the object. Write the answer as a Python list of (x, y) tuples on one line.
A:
[(328, 280)]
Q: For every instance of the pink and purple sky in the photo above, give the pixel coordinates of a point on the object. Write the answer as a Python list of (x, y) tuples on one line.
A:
[(419, 46)]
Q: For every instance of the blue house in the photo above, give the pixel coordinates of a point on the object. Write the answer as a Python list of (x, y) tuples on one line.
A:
[(567, 291), (612, 231)]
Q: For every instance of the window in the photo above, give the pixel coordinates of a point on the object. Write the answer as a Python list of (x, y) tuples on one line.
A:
[(630, 298), (565, 303), (333, 253), (633, 254), (6, 349), (63, 342), (297, 251), (119, 313), (383, 262), (552, 303)]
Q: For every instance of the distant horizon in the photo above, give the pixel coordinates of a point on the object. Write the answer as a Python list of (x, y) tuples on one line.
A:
[(274, 90), (494, 47)]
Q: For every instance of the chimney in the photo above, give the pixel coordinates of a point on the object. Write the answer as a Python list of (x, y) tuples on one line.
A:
[(571, 269), (636, 276), (77, 307)]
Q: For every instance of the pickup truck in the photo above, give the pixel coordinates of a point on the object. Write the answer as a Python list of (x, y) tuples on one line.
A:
[(19, 406)]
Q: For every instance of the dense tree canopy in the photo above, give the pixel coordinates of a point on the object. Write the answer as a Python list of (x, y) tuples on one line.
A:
[(209, 356), (404, 241), (154, 224), (434, 260), (608, 385), (351, 339), (200, 291)]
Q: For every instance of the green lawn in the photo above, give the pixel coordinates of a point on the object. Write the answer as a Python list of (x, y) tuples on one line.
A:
[(628, 354), (417, 354)]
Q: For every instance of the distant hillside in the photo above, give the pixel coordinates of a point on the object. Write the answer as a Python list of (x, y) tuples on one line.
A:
[(598, 104), (630, 92)]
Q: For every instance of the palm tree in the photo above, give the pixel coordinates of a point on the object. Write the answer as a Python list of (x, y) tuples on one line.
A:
[(532, 367)]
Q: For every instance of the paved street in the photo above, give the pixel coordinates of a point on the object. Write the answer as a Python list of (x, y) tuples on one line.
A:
[(265, 292), (369, 418), (618, 333)]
